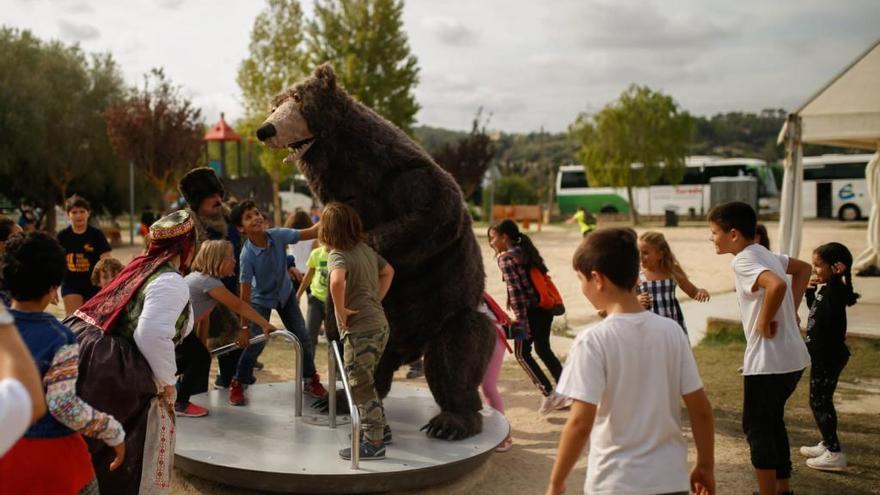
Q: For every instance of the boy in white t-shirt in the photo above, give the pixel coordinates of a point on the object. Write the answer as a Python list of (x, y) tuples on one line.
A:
[(627, 376), (775, 355)]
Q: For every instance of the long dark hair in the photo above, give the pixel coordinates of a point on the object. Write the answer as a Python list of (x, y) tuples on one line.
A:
[(531, 256), (835, 252)]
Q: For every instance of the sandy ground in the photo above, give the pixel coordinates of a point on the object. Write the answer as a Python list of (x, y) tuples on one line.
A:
[(526, 468)]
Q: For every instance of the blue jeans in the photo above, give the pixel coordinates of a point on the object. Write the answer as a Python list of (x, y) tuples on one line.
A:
[(294, 323)]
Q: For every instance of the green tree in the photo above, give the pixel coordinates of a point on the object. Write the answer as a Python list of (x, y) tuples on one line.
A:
[(366, 43), (274, 63), (634, 141), (514, 190)]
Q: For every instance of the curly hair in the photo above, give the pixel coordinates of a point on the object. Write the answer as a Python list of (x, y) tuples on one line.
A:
[(32, 265)]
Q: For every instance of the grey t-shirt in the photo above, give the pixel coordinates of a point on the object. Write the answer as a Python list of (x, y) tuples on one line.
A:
[(199, 285), (362, 266)]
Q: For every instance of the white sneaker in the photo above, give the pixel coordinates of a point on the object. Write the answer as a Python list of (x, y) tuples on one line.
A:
[(829, 461), (551, 403), (813, 450)]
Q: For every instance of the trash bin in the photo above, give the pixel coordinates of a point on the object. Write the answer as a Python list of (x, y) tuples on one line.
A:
[(671, 218)]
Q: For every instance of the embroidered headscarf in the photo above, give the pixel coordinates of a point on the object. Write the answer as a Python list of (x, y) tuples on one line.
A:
[(170, 236)]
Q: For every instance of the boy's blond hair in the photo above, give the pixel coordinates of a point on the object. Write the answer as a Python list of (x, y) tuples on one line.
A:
[(209, 259), (109, 264)]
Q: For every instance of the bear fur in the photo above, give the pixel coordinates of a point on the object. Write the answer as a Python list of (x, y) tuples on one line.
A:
[(415, 217)]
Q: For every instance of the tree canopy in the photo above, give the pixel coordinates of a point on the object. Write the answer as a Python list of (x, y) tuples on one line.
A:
[(467, 158)]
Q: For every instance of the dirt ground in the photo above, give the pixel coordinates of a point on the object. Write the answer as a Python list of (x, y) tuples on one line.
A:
[(526, 468)]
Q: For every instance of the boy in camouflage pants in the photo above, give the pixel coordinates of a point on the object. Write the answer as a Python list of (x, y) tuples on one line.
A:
[(359, 280)]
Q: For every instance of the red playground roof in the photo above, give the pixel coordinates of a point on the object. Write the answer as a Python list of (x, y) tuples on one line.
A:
[(222, 132)]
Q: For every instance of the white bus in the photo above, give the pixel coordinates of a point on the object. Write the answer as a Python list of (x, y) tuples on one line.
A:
[(691, 196), (835, 187)]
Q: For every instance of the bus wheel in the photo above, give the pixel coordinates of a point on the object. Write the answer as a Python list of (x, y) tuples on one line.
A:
[(609, 209), (849, 213)]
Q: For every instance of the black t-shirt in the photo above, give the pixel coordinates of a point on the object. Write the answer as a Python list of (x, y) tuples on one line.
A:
[(826, 326), (83, 251)]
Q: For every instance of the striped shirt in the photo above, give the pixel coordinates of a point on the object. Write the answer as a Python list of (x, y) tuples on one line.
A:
[(663, 300)]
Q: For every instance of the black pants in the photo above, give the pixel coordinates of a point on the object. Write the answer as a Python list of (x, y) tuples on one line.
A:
[(540, 321), (194, 364), (823, 382), (763, 421)]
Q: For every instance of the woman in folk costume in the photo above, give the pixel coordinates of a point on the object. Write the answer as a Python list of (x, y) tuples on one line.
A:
[(127, 335)]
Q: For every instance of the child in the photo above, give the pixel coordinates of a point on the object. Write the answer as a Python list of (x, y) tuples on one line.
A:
[(659, 275), (761, 236), (214, 261), (52, 457), (826, 341), (586, 222), (266, 285), (84, 246), (105, 271), (359, 280), (489, 385), (316, 281), (775, 355), (8, 228), (628, 375), (300, 251)]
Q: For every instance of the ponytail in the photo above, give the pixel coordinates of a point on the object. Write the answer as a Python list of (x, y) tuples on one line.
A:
[(531, 257), (833, 253)]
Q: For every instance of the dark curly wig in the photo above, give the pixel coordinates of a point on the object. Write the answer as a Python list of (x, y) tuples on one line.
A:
[(32, 265)]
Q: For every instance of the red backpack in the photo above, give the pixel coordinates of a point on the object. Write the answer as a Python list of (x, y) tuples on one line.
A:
[(548, 294)]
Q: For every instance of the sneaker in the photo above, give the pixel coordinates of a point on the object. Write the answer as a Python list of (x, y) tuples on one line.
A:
[(552, 402), (829, 461), (189, 410), (368, 451), (506, 445), (314, 388), (386, 435), (258, 365), (236, 393), (813, 450)]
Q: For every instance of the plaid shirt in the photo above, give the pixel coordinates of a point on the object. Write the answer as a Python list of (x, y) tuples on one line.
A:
[(520, 293)]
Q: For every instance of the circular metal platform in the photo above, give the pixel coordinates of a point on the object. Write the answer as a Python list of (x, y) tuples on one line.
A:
[(263, 446)]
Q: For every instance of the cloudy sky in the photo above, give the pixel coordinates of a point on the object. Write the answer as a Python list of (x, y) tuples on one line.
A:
[(530, 63)]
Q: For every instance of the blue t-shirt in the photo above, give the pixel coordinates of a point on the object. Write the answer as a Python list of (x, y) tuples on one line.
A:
[(266, 268)]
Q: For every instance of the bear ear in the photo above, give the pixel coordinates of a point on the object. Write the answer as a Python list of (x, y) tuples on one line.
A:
[(325, 73)]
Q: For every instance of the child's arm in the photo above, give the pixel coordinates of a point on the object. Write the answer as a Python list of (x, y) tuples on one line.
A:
[(75, 413), (223, 296), (571, 443), (800, 272), (385, 277), (306, 281), (690, 289), (703, 426), (337, 291), (774, 293), (309, 233)]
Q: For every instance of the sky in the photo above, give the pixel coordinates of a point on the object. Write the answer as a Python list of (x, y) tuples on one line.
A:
[(528, 63)]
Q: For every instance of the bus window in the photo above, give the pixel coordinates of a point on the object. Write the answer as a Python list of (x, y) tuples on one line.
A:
[(573, 180), (835, 171), (693, 176)]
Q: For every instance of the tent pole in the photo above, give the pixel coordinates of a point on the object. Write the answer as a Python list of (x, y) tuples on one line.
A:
[(790, 214)]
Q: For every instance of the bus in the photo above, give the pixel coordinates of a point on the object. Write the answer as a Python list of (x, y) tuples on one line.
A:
[(835, 187), (691, 196)]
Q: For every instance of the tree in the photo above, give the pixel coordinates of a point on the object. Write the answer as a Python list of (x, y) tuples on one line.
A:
[(158, 129), (514, 190), (275, 62), (469, 157), (634, 141), (366, 43)]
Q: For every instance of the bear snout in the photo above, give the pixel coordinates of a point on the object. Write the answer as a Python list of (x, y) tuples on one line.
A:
[(266, 131)]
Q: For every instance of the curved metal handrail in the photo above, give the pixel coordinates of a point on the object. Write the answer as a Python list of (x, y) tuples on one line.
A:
[(336, 363), (290, 337)]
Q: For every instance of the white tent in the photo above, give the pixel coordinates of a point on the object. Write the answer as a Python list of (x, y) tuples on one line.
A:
[(846, 112)]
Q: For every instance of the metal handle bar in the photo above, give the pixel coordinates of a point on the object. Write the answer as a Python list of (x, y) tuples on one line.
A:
[(336, 363)]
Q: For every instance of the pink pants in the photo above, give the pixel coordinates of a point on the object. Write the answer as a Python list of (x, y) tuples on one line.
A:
[(490, 380)]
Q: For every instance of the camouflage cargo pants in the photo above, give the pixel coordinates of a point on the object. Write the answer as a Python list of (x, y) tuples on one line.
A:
[(361, 355)]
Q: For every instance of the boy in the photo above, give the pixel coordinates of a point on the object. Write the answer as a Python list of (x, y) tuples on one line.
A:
[(775, 355), (265, 285), (84, 246), (627, 376)]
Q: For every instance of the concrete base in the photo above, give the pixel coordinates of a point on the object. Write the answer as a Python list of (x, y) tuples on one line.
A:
[(262, 446)]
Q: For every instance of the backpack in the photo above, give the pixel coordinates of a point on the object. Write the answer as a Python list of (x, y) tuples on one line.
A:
[(548, 294)]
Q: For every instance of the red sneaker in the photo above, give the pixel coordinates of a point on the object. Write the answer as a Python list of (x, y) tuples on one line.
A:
[(314, 388), (236, 393), (190, 410)]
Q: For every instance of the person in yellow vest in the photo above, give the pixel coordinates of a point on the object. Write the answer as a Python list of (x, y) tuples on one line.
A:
[(586, 222)]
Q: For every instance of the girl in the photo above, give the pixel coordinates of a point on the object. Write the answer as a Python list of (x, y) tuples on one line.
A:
[(52, 457), (359, 280), (659, 275), (214, 261), (826, 341), (315, 281), (105, 271), (84, 245), (516, 256), (490, 380)]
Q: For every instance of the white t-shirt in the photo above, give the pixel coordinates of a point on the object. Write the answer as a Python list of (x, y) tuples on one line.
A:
[(15, 412), (634, 367), (786, 351)]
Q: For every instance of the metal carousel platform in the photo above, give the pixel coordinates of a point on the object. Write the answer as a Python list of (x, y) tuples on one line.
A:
[(276, 443)]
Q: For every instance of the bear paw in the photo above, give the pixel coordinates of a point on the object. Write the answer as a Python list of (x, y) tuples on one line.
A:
[(453, 426)]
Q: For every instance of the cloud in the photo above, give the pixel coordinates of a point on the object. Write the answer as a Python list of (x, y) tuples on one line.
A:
[(76, 33), (170, 4), (450, 31)]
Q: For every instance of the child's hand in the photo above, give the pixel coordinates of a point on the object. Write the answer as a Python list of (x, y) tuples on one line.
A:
[(244, 337), (269, 329), (702, 481), (770, 331), (555, 490), (645, 300), (120, 456), (296, 274), (344, 316), (702, 295)]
